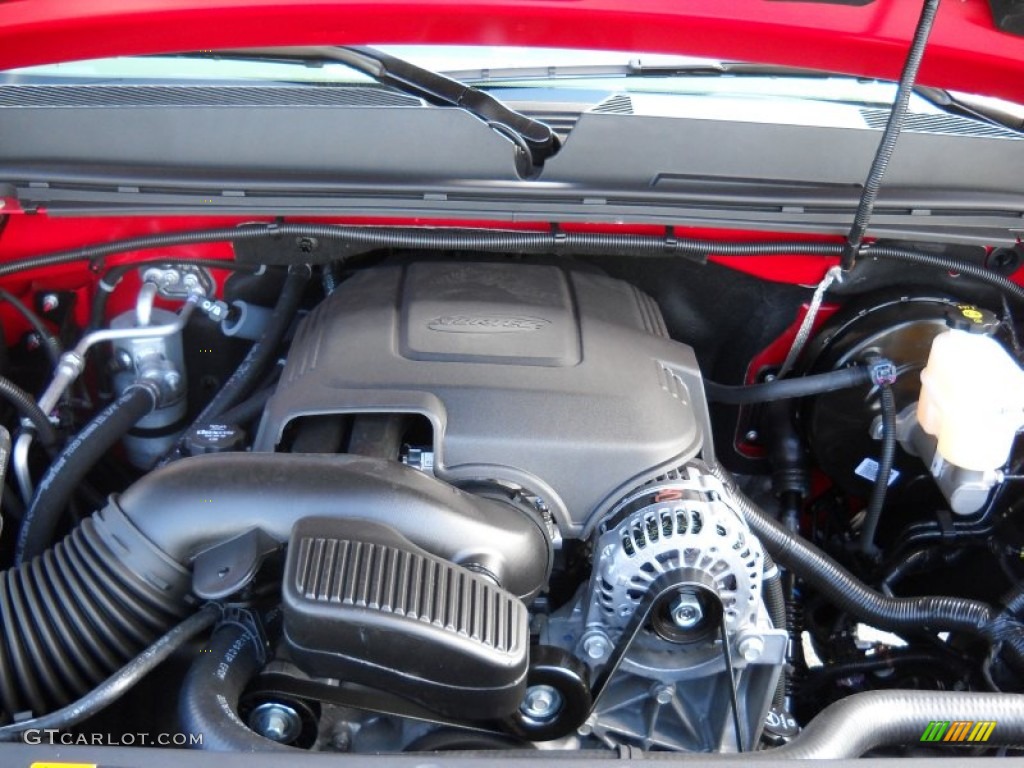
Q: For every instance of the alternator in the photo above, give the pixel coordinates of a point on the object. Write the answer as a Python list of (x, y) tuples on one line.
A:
[(676, 680), (682, 522)]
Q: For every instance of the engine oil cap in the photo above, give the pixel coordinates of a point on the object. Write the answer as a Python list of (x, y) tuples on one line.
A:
[(214, 438), (967, 317)]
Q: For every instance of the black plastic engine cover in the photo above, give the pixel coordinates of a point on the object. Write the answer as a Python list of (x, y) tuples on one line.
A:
[(562, 382), (363, 604)]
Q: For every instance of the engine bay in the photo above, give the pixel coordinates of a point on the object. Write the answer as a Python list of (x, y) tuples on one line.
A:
[(447, 502)]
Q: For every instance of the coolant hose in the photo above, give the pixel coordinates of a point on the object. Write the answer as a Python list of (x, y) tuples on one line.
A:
[(896, 614), (208, 701), (73, 615), (787, 389), (73, 464)]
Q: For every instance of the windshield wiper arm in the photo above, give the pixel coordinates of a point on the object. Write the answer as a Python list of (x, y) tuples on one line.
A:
[(534, 140), (947, 102)]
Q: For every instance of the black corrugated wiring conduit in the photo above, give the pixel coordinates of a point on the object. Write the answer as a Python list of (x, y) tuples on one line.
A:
[(502, 241), (896, 614), (73, 464), (891, 133)]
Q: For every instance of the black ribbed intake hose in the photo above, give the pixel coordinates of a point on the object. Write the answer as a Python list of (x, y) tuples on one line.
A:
[(897, 614), (72, 465), (115, 686), (79, 611), (72, 617), (27, 408), (208, 701), (787, 389)]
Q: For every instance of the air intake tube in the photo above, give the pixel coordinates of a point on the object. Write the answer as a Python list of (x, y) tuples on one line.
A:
[(73, 615)]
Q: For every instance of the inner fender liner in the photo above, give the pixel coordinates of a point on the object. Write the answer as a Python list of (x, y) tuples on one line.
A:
[(362, 603)]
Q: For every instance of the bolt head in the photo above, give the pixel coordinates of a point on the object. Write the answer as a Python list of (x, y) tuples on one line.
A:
[(50, 302), (751, 648), (541, 703), (752, 436), (596, 646), (664, 694), (687, 611), (277, 722)]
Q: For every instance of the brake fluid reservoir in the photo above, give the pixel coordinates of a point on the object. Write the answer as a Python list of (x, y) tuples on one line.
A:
[(972, 393)]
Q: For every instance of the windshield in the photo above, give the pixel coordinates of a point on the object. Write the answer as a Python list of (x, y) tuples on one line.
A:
[(520, 73), (488, 66)]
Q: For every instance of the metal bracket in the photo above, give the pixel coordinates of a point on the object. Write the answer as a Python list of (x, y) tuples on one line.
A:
[(179, 281)]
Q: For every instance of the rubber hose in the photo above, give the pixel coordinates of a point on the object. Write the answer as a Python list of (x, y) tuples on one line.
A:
[(70, 618), (247, 410), (786, 389), (914, 561), (115, 686), (208, 701), (947, 264), (73, 464), (936, 614), (891, 134), (27, 408), (261, 354), (880, 488)]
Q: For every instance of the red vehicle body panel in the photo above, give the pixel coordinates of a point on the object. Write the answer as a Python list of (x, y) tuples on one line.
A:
[(966, 51)]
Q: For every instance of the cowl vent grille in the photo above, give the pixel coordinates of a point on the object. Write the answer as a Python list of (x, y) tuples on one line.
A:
[(950, 125), (71, 96)]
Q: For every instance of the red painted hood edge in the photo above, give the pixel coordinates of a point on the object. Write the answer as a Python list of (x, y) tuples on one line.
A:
[(967, 52)]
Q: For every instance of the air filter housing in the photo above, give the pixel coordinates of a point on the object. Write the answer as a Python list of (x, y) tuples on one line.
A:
[(363, 604)]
